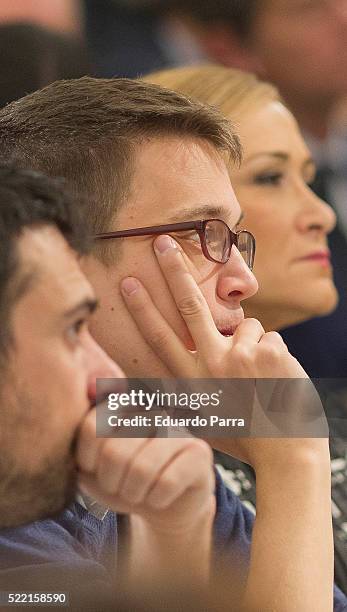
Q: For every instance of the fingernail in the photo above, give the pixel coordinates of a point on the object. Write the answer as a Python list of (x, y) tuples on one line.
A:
[(164, 243), (130, 286)]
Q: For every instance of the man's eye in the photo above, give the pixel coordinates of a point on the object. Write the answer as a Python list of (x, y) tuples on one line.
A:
[(310, 181), (191, 235), (75, 330), (271, 178)]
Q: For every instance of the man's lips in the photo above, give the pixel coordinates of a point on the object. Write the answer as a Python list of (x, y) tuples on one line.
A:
[(229, 328), (227, 332)]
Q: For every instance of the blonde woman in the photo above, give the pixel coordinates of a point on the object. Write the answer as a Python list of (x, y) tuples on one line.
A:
[(289, 222), (291, 225)]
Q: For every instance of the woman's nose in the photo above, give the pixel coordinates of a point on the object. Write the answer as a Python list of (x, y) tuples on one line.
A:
[(316, 214)]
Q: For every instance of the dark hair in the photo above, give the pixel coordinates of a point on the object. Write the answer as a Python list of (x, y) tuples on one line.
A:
[(33, 56), (29, 199), (86, 130)]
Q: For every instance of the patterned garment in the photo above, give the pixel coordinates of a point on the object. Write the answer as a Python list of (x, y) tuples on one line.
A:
[(240, 478)]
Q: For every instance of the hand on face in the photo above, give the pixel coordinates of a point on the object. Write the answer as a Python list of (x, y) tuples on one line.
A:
[(250, 353), (168, 482)]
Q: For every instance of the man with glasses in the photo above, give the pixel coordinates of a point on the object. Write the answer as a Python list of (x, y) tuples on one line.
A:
[(150, 165)]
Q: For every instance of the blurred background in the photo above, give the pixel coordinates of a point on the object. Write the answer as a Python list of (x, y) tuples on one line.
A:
[(300, 45)]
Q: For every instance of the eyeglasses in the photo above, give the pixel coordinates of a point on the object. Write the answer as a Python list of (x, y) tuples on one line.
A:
[(216, 238)]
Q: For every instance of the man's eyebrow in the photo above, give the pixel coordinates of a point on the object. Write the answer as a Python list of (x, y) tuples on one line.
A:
[(199, 212), (88, 305), (207, 212), (23, 283), (309, 162)]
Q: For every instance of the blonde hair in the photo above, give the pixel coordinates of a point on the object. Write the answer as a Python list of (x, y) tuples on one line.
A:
[(232, 91)]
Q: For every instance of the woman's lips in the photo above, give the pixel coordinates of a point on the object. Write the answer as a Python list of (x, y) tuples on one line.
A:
[(321, 257)]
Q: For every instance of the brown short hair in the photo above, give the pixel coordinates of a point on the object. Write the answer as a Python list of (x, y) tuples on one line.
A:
[(86, 130)]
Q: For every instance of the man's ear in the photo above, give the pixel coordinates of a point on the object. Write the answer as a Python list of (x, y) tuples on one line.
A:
[(224, 46)]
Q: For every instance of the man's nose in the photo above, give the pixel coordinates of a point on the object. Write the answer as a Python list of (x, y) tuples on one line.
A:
[(236, 281), (101, 366)]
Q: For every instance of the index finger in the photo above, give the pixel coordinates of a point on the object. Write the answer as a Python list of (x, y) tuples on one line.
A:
[(189, 300), (154, 328)]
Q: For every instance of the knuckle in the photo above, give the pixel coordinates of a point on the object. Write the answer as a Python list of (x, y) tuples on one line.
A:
[(255, 323), (252, 320), (142, 470), (242, 354), (168, 483), (109, 454), (159, 338), (202, 450), (271, 352), (273, 346), (191, 305), (88, 428), (275, 338), (137, 307)]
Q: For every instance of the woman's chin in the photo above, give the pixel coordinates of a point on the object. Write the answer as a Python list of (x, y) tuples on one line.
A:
[(326, 298), (317, 307), (327, 307), (282, 311)]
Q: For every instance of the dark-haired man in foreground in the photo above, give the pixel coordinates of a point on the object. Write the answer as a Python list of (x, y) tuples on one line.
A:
[(145, 157), (49, 365)]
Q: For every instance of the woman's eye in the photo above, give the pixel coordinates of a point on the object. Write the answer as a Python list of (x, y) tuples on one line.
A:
[(273, 178)]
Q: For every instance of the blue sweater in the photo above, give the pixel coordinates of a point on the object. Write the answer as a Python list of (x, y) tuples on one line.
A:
[(78, 544)]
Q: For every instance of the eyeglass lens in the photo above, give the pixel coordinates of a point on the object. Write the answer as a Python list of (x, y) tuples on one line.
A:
[(217, 239), (218, 243), (245, 245)]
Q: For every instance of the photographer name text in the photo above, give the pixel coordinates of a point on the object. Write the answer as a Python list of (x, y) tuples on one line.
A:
[(159, 420)]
